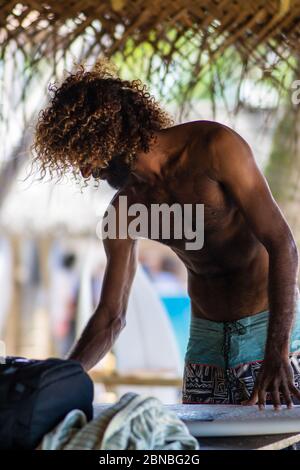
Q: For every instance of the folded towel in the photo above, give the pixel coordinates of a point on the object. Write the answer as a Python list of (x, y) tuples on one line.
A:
[(135, 422)]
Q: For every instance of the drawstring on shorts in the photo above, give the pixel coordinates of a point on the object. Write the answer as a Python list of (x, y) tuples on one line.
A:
[(230, 328)]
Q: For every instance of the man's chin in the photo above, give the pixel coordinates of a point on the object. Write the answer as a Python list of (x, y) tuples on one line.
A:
[(118, 172), (117, 181)]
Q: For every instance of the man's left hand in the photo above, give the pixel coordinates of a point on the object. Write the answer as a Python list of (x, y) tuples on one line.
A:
[(275, 377)]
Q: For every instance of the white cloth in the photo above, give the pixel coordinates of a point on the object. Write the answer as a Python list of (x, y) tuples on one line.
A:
[(133, 423)]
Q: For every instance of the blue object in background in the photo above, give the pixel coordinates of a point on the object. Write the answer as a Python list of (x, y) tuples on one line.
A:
[(179, 309)]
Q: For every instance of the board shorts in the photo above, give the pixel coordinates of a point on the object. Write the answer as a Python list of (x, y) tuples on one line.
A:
[(222, 359)]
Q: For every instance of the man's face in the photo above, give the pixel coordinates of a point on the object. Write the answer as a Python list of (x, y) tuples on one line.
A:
[(116, 174), (87, 171)]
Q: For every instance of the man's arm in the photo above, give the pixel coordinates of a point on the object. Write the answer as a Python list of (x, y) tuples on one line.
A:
[(108, 319), (234, 167)]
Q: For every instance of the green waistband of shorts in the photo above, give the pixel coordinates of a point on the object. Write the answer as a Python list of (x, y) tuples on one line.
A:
[(246, 339)]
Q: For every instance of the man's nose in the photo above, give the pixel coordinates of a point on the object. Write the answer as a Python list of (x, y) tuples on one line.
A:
[(85, 171), (100, 173)]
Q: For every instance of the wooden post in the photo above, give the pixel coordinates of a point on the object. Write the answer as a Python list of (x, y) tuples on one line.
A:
[(12, 333), (43, 329)]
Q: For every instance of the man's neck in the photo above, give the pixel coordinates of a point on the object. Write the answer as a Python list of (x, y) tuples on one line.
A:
[(148, 166)]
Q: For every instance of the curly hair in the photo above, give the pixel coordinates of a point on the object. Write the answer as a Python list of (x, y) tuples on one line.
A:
[(96, 120)]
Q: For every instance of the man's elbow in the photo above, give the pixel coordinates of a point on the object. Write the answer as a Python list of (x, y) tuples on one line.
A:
[(119, 322), (292, 250), (285, 247), (295, 251), (110, 317), (117, 319)]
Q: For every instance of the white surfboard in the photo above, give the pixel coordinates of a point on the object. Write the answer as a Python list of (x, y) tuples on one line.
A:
[(148, 341), (232, 420), (237, 420)]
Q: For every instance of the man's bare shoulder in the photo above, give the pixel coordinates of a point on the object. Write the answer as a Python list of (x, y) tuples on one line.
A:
[(211, 137), (213, 132), (116, 208)]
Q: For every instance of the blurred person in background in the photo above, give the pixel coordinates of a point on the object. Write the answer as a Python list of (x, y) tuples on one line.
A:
[(166, 279), (64, 290)]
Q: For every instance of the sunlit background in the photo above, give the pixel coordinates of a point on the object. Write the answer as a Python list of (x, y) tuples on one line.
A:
[(51, 260)]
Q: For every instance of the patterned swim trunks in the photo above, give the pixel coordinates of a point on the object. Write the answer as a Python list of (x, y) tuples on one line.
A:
[(223, 359)]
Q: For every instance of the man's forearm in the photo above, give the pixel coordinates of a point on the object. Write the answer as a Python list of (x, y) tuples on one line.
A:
[(283, 267), (97, 338)]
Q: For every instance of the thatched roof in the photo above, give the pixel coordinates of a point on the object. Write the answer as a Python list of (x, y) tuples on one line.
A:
[(263, 33), (246, 24), (178, 43)]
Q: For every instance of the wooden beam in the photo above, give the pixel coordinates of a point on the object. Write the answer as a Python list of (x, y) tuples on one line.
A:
[(143, 378)]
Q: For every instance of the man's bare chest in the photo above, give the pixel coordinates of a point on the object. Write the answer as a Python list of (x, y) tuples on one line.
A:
[(184, 206)]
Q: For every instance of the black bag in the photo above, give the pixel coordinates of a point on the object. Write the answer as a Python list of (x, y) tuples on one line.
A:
[(35, 395)]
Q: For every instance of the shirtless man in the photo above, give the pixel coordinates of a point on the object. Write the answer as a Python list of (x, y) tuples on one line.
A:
[(244, 344)]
